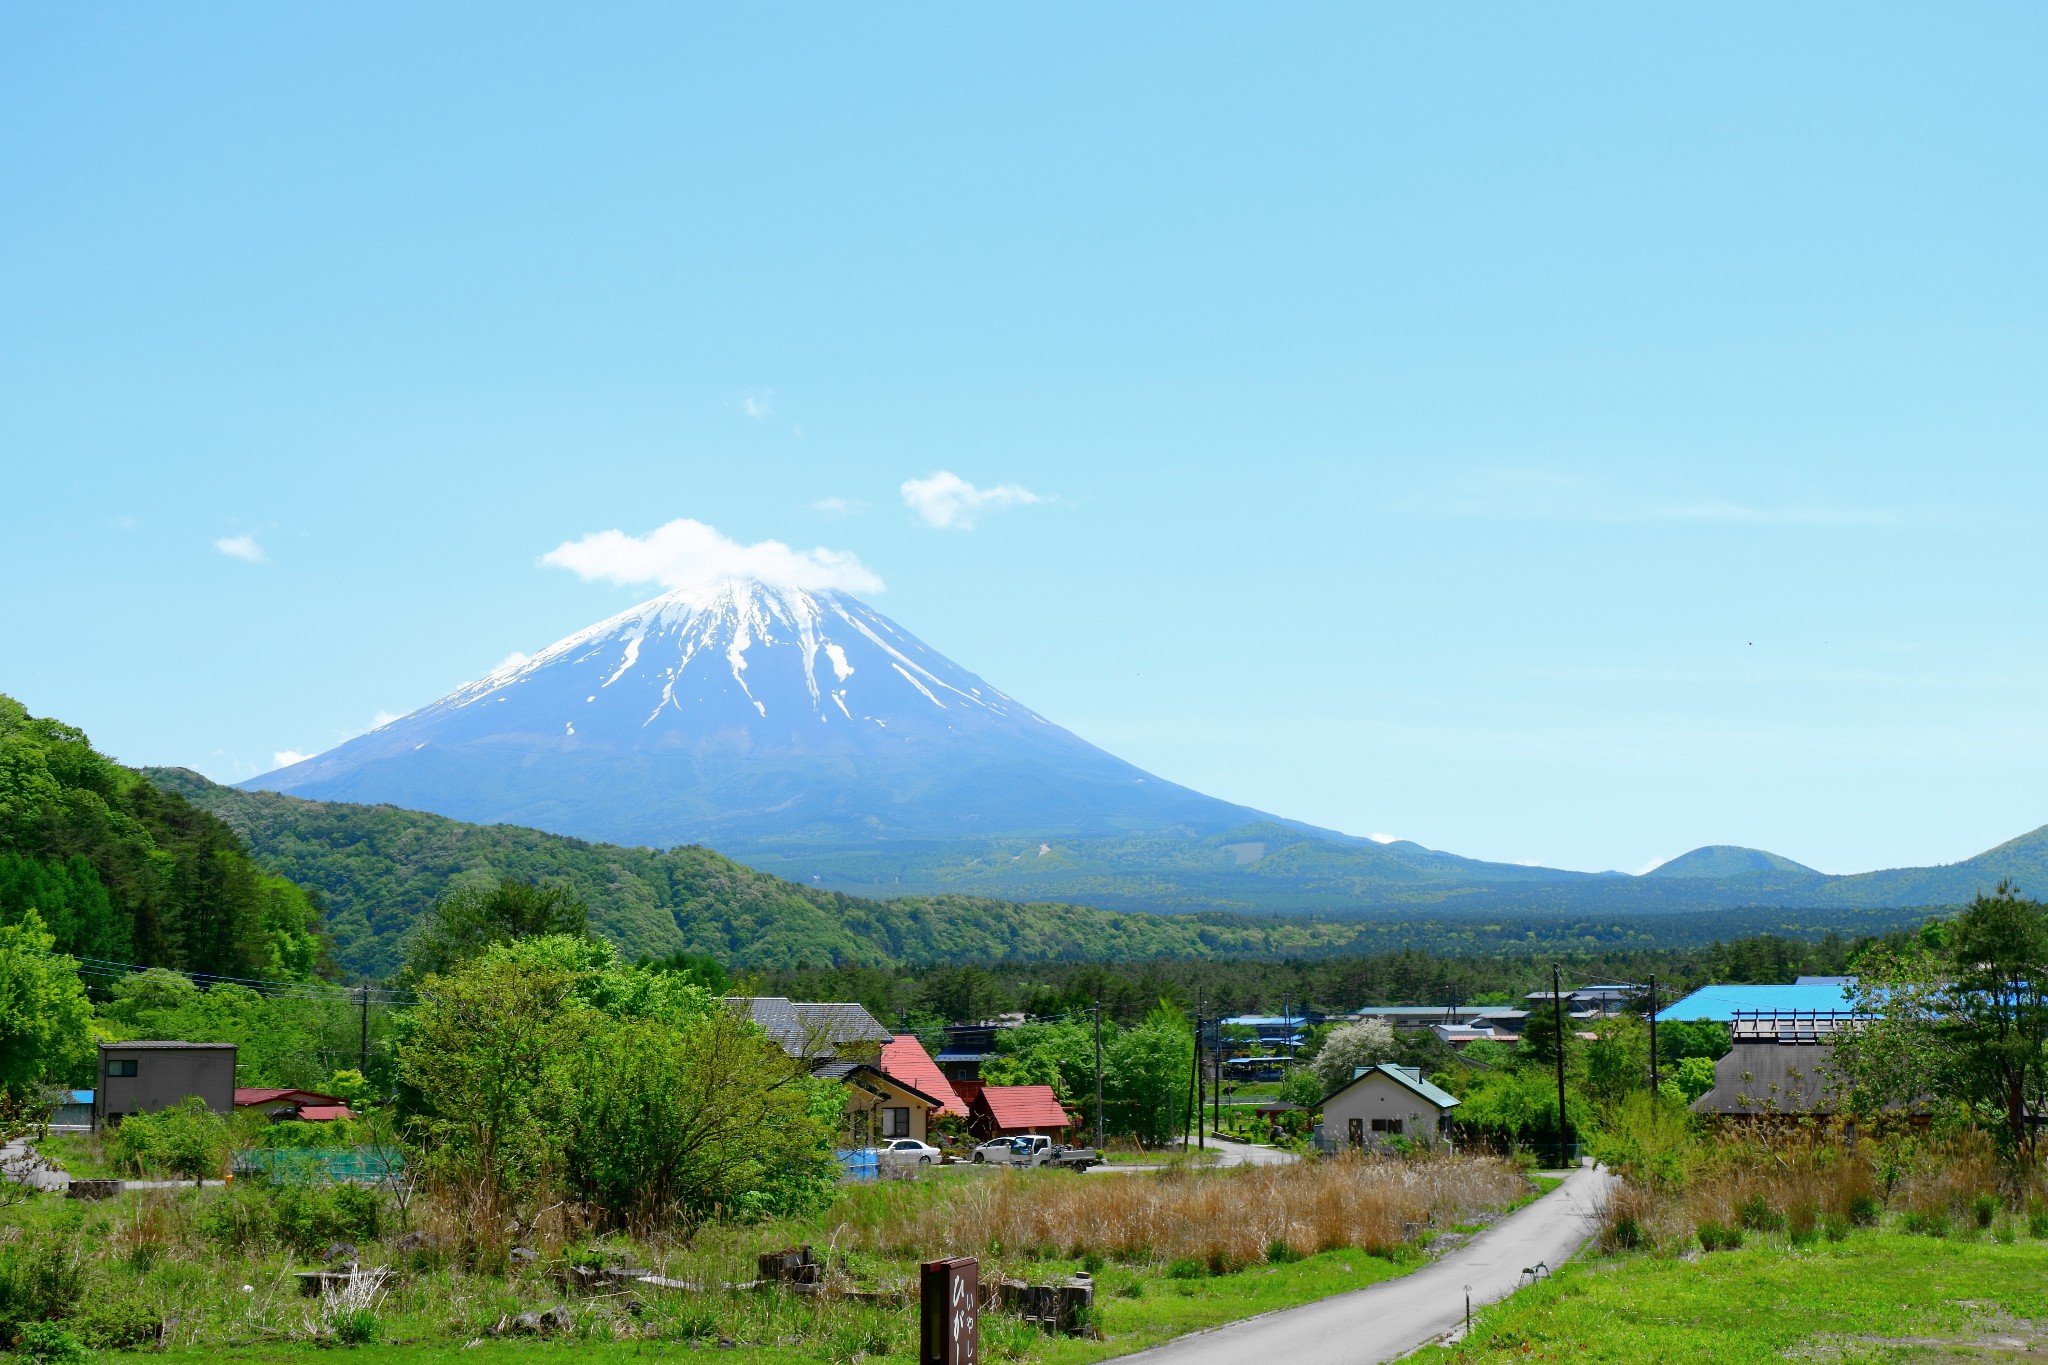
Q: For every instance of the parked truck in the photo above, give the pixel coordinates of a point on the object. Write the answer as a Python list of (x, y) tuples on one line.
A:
[(1035, 1149)]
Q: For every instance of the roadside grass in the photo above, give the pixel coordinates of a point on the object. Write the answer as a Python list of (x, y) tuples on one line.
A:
[(79, 1156), (1162, 1307), (203, 1273), (1877, 1296)]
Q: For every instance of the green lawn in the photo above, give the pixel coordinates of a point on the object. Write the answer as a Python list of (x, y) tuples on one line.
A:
[(1879, 1296)]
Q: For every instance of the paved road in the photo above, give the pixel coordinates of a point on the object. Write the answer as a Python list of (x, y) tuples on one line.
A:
[(17, 1162), (1250, 1154), (1392, 1318)]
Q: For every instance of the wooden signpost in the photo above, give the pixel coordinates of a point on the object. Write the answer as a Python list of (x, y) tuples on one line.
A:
[(949, 1304)]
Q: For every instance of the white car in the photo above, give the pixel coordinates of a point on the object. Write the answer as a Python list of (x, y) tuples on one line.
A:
[(1030, 1149), (910, 1152)]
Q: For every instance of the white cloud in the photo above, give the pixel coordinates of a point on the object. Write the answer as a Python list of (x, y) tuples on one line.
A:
[(241, 547), (689, 554), (758, 403), (1384, 838), (511, 661), (384, 718), (284, 758), (949, 502), (838, 507)]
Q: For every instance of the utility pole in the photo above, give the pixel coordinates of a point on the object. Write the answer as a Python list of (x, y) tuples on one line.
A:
[(1099, 1138), (363, 1055), (1653, 1033), (1216, 1081), (1201, 1099), (1557, 1013)]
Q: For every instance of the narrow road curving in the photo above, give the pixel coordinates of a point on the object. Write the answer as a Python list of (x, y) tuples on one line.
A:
[(1394, 1317)]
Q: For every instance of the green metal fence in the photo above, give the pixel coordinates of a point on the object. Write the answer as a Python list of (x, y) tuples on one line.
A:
[(286, 1165)]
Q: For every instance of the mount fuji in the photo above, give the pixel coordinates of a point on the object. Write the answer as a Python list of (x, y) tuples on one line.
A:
[(750, 715)]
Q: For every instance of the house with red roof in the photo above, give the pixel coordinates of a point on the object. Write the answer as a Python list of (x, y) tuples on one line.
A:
[(281, 1102), (1010, 1110), (904, 1058)]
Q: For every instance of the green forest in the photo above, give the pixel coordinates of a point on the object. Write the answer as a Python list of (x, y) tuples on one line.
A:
[(379, 868), (122, 869)]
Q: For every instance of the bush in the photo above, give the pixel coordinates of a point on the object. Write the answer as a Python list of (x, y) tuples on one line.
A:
[(356, 1327), (1835, 1229), (1756, 1214), (1985, 1208), (1864, 1210), (1925, 1224), (112, 1322), (39, 1279), (1279, 1253), (188, 1141), (305, 1218), (2037, 1223), (1185, 1268), (1715, 1237), (48, 1344)]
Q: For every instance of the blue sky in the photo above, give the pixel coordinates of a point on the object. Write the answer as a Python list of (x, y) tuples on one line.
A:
[(1553, 434)]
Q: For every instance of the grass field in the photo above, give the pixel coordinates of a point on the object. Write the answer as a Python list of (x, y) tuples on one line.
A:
[(1164, 1308), (1878, 1296)]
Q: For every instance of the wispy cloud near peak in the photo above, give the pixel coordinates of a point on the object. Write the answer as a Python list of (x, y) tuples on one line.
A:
[(688, 554), (950, 503), (243, 547)]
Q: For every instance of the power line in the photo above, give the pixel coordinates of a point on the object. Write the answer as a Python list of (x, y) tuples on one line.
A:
[(278, 990)]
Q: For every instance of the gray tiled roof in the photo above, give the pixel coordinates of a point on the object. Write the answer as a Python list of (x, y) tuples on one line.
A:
[(162, 1044), (811, 1030)]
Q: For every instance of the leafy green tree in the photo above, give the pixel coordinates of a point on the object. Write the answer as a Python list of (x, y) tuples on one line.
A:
[(700, 969), (486, 1060), (1616, 1063), (278, 1040), (472, 917), (45, 1020), (1678, 1039), (1694, 1077), (1302, 1086), (1541, 1038), (1961, 1018), (695, 1117)]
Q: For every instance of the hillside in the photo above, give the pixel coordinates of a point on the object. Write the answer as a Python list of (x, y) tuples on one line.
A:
[(121, 869), (378, 867)]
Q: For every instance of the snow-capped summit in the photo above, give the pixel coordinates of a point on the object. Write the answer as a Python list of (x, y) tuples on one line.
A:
[(742, 714)]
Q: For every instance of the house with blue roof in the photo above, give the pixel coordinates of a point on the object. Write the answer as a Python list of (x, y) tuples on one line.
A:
[(1725, 1004)]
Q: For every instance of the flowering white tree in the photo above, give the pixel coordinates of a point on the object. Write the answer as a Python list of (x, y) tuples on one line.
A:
[(1352, 1046)]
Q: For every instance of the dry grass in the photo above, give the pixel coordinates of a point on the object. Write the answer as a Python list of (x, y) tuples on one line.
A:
[(1221, 1218), (1813, 1182)]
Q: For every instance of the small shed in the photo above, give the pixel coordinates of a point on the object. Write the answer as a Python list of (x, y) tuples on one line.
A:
[(145, 1075), (1012, 1110), (1386, 1101)]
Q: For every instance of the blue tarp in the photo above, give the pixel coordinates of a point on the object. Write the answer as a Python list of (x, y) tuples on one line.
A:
[(862, 1163), (1722, 1003)]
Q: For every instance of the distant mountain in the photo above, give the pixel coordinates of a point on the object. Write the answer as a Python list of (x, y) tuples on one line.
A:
[(807, 735), (749, 716), (1727, 860)]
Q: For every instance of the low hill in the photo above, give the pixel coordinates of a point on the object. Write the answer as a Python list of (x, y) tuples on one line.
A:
[(378, 867)]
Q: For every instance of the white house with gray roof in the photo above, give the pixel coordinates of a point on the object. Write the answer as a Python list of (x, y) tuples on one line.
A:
[(1382, 1102)]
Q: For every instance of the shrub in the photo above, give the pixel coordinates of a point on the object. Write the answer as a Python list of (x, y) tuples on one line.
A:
[(112, 1322), (1279, 1253), (356, 1326), (1985, 1208), (1715, 1237), (1864, 1210), (1624, 1234), (1756, 1214), (1925, 1224), (39, 1278), (1803, 1237), (1092, 1263), (2037, 1223), (188, 1140), (48, 1344), (1185, 1268), (1835, 1229)]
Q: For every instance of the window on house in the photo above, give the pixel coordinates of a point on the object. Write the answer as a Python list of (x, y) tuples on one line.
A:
[(121, 1068), (1386, 1125), (895, 1123)]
